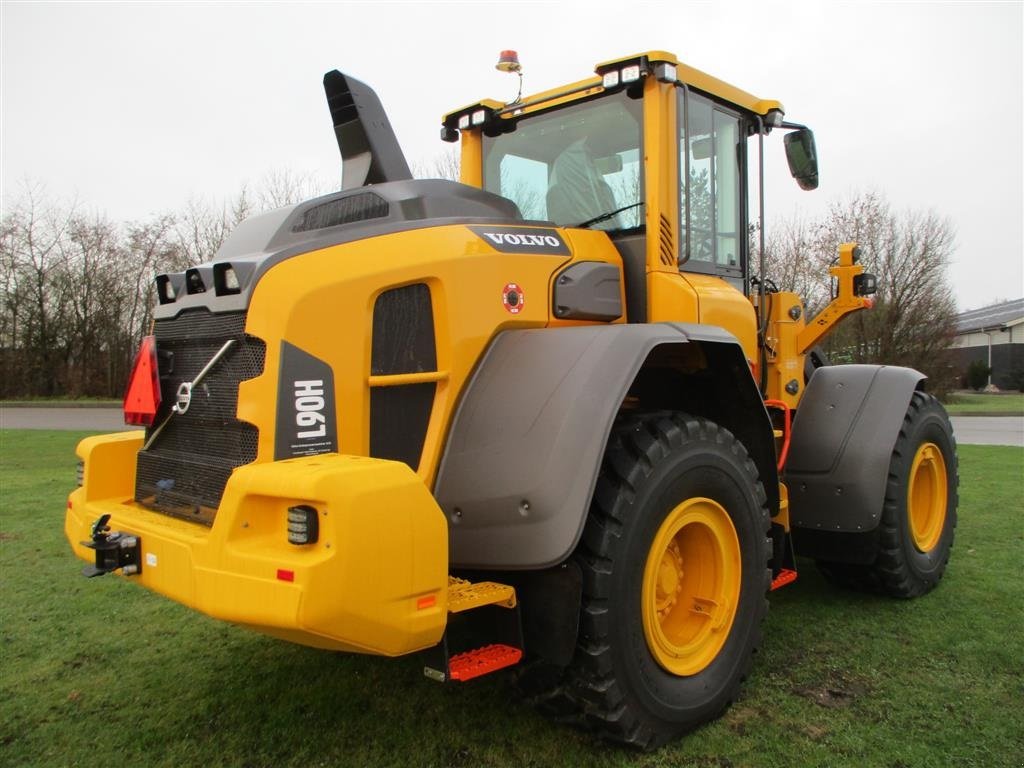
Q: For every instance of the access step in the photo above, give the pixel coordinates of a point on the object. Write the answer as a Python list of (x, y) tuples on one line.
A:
[(483, 634), (786, 576), (465, 595), (481, 661)]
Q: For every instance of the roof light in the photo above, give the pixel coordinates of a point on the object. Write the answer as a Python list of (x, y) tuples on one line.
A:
[(665, 72), (508, 61), (631, 73), (610, 79), (463, 122), (142, 398), (479, 116)]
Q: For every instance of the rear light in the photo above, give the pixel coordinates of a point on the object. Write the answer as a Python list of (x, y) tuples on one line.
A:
[(142, 398), (303, 525), (80, 474)]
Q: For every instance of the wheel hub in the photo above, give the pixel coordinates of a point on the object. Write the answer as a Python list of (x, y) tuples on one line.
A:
[(691, 586), (927, 497)]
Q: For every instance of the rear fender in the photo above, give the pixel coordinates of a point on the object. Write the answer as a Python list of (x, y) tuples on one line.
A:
[(526, 444)]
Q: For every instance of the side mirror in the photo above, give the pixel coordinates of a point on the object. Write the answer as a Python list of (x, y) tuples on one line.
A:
[(802, 157)]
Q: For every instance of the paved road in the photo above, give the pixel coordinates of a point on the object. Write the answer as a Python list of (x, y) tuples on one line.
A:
[(969, 430), (989, 430), (99, 419)]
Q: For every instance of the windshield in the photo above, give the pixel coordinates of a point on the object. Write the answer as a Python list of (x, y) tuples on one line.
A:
[(574, 165)]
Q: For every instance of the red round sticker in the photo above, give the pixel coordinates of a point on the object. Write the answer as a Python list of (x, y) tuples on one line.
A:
[(513, 298)]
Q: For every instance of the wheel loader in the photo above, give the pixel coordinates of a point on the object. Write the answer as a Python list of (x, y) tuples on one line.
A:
[(553, 417)]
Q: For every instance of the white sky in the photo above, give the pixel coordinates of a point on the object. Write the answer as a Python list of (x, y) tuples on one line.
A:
[(135, 107)]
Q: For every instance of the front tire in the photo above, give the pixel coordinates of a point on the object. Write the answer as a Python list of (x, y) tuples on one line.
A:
[(919, 512), (675, 557)]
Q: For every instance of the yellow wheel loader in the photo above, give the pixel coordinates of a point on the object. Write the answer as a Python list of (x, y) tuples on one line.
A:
[(553, 417)]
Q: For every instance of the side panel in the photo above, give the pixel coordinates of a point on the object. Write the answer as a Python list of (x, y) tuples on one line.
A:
[(526, 444), (843, 436)]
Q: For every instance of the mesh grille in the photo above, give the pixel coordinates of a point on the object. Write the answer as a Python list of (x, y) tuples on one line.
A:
[(343, 210), (185, 470)]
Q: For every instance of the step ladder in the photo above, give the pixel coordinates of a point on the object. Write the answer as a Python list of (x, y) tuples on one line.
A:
[(483, 633)]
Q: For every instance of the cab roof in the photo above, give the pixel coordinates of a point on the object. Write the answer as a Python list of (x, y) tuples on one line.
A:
[(666, 64)]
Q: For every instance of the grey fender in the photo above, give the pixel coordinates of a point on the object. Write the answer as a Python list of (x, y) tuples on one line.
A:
[(843, 436), (526, 443)]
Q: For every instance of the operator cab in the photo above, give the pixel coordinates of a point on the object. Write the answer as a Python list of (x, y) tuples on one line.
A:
[(648, 141)]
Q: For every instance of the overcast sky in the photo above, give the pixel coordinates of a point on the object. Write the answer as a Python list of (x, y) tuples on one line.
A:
[(134, 107)]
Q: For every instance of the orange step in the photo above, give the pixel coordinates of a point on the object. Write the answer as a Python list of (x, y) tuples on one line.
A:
[(786, 576), (482, 661)]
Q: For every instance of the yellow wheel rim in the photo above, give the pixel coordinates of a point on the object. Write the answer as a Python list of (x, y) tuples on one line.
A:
[(691, 586), (926, 497)]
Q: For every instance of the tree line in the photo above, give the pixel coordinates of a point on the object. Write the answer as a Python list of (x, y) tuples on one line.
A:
[(77, 291), (76, 287)]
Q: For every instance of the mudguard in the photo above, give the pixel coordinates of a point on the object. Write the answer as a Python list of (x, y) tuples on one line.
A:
[(526, 443), (841, 445)]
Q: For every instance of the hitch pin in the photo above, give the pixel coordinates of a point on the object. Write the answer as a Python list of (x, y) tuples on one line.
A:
[(188, 386)]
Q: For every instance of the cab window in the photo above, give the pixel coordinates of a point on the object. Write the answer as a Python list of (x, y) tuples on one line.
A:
[(573, 164), (711, 217)]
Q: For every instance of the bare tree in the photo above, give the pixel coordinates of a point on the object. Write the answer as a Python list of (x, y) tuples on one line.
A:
[(283, 187), (443, 165), (909, 252), (35, 297)]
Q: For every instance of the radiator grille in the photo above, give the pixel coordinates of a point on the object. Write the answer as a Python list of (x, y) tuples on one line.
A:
[(184, 471), (343, 210), (403, 342)]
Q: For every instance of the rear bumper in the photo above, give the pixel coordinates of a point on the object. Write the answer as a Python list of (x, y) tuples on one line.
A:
[(374, 582)]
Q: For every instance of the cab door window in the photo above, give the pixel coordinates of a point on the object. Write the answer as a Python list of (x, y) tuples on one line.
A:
[(711, 217)]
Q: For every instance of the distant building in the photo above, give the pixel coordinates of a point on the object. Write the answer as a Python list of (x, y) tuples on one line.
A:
[(994, 335)]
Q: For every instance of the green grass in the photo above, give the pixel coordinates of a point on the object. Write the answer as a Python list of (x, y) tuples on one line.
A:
[(977, 403), (99, 672)]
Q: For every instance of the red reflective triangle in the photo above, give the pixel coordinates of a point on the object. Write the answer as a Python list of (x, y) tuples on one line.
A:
[(142, 398)]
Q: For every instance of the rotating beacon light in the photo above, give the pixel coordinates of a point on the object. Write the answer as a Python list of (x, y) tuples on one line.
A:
[(508, 61)]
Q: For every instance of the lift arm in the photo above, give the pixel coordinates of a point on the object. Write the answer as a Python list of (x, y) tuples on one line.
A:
[(854, 287)]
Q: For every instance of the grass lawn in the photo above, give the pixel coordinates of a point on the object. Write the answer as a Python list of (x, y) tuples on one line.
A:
[(977, 403), (99, 672)]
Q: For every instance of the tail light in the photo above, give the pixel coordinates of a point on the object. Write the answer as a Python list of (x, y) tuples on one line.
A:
[(142, 398)]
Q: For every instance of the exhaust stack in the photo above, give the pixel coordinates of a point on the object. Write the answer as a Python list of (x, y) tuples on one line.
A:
[(369, 150)]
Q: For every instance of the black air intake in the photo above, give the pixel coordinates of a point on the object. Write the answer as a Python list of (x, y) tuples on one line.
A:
[(184, 471)]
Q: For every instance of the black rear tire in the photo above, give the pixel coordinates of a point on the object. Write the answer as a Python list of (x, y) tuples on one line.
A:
[(918, 519), (655, 465)]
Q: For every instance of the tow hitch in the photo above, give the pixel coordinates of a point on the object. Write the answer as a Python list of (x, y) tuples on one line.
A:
[(113, 550)]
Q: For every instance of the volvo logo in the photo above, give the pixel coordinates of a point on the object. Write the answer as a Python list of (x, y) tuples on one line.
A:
[(184, 397), (523, 240)]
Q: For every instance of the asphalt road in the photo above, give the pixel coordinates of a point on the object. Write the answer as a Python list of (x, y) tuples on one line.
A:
[(969, 430)]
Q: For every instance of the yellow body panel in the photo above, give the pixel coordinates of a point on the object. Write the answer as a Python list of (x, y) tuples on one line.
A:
[(466, 277), (383, 547), (689, 297), (783, 358), (661, 173)]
